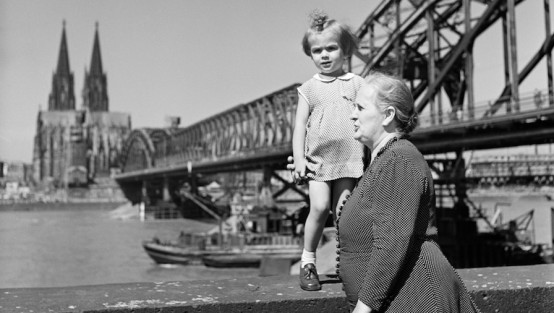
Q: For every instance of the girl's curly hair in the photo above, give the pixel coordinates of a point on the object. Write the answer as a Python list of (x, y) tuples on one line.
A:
[(319, 23)]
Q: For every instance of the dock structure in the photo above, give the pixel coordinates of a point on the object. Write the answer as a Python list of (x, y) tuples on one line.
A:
[(429, 44), (517, 169)]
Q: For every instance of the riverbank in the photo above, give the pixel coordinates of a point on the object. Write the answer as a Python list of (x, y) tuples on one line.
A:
[(60, 206), (501, 289)]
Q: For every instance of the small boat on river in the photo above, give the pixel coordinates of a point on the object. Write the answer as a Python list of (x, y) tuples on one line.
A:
[(168, 253), (236, 260), (239, 250), (249, 235)]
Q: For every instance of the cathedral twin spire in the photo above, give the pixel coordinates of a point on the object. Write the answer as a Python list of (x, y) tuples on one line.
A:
[(95, 93), (62, 96)]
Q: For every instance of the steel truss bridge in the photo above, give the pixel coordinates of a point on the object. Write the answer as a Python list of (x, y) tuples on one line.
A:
[(427, 42)]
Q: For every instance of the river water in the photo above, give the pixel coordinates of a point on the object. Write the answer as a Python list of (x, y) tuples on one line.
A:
[(72, 247), (84, 245)]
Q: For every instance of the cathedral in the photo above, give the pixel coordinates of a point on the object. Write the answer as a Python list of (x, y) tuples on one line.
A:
[(78, 147)]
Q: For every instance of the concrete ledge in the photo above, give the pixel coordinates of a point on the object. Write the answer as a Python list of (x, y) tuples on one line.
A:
[(502, 289)]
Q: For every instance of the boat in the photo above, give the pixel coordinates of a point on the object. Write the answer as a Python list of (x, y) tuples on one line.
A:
[(249, 259), (234, 260), (242, 240), (167, 253), (236, 251)]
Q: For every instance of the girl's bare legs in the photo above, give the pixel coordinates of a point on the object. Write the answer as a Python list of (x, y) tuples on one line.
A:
[(320, 202), (323, 195)]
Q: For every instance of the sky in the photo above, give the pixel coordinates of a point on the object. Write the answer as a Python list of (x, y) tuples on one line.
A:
[(186, 58)]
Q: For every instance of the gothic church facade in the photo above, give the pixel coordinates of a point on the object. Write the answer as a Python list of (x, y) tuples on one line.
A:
[(78, 147)]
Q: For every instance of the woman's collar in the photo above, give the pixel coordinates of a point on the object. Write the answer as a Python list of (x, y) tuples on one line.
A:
[(345, 76), (382, 144)]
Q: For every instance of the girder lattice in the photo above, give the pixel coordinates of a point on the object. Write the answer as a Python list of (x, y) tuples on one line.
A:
[(396, 38), (430, 44)]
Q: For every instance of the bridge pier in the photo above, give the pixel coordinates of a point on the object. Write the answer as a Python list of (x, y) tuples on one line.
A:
[(156, 198), (266, 197), (144, 193), (166, 196)]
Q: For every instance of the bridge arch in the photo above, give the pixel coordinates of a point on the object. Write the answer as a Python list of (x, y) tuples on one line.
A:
[(138, 151)]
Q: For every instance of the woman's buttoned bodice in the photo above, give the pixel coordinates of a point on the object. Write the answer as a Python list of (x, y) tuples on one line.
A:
[(384, 222)]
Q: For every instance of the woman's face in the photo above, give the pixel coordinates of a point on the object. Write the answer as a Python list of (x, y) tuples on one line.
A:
[(368, 117)]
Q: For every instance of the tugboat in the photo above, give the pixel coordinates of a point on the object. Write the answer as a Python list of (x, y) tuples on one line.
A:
[(250, 234), (236, 250)]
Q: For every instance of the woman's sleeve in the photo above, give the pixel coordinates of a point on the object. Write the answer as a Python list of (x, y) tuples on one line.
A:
[(396, 202)]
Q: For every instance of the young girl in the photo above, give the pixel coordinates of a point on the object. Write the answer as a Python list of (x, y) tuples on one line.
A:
[(325, 152)]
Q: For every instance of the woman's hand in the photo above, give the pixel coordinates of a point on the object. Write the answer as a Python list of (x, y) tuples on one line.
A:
[(361, 308)]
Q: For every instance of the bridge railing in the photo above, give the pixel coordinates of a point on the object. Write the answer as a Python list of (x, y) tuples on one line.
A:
[(265, 123), (528, 102), (265, 126)]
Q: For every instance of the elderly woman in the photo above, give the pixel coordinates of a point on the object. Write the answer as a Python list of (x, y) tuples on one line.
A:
[(388, 259)]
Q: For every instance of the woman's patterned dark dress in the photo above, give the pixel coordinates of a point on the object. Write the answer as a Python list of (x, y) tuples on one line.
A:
[(388, 258)]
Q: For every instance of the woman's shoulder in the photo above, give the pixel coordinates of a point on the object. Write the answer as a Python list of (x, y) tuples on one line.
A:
[(406, 145), (406, 150)]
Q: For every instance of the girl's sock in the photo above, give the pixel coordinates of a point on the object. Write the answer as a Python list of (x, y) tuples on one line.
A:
[(307, 257)]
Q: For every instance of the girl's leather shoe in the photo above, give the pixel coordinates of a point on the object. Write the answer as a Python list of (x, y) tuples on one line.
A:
[(309, 279)]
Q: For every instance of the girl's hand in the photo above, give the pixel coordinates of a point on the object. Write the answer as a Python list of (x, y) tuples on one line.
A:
[(290, 165), (361, 308), (299, 174), (299, 171)]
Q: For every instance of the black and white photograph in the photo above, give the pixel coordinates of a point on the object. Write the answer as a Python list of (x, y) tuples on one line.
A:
[(276, 156)]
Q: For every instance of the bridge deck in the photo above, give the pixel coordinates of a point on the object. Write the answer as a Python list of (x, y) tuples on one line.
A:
[(533, 126)]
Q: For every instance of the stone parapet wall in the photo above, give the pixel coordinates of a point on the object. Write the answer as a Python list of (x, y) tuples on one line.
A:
[(503, 289)]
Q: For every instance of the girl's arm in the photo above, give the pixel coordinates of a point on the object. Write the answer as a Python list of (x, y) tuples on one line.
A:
[(299, 137)]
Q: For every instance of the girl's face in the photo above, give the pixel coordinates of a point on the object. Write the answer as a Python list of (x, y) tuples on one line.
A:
[(369, 119), (326, 53)]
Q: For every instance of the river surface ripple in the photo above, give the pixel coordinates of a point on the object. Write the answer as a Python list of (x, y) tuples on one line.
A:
[(55, 248)]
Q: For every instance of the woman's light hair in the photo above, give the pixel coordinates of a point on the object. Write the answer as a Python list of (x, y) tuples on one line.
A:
[(392, 91)]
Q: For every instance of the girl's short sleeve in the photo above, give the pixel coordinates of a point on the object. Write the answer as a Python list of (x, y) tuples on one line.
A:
[(306, 91)]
